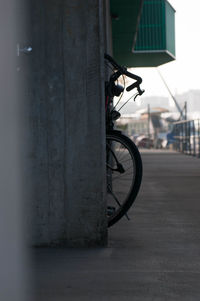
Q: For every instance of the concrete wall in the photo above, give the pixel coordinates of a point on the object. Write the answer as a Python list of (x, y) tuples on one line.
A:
[(67, 132)]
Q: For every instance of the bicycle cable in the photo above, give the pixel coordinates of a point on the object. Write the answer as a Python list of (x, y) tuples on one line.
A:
[(134, 95)]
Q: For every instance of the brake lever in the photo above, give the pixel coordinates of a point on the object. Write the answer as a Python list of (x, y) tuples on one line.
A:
[(140, 91), (136, 96)]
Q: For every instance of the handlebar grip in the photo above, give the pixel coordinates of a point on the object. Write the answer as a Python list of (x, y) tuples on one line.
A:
[(135, 85), (131, 87)]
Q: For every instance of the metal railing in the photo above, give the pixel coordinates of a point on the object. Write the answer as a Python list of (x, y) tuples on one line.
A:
[(187, 137)]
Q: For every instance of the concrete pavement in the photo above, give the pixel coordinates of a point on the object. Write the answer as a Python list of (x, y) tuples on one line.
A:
[(155, 256)]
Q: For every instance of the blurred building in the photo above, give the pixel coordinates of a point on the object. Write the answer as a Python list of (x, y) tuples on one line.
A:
[(192, 98), (152, 124)]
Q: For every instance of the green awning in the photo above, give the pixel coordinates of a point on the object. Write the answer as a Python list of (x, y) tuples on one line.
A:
[(155, 43)]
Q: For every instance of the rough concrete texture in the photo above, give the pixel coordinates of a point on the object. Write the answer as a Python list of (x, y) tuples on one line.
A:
[(67, 130), (85, 123), (46, 114), (154, 257)]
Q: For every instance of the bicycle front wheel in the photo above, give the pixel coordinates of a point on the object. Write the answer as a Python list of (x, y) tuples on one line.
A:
[(124, 175)]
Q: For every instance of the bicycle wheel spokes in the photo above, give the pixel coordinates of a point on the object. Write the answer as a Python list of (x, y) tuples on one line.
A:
[(123, 178), (120, 183)]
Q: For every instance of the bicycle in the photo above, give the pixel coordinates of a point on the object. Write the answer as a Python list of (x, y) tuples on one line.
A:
[(123, 160)]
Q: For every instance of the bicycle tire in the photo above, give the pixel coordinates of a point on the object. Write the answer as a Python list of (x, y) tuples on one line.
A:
[(122, 157)]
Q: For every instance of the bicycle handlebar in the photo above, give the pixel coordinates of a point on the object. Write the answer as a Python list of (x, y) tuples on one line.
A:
[(122, 70), (112, 61)]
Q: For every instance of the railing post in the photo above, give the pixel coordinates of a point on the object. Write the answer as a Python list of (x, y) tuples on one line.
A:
[(189, 135), (185, 137), (182, 137), (188, 138), (177, 138), (179, 141), (199, 136), (194, 139)]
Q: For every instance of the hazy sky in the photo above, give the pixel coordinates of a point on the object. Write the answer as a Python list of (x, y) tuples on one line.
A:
[(183, 74)]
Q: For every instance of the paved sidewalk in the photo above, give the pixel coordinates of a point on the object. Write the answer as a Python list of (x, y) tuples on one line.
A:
[(155, 256)]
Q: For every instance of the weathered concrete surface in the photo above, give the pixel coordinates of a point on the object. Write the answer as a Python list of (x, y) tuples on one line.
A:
[(67, 128), (154, 257), (85, 123)]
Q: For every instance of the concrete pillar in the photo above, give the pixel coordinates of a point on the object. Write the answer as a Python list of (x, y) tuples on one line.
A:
[(67, 123), (85, 129)]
